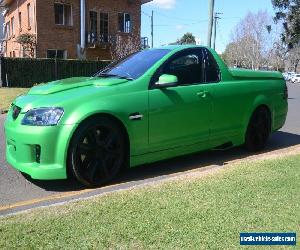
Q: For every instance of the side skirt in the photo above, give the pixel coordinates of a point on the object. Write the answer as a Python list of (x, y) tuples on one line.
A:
[(166, 154), (180, 151)]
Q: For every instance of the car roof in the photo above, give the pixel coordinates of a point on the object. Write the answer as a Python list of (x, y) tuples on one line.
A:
[(180, 47)]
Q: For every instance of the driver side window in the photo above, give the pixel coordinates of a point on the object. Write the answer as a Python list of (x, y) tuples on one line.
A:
[(187, 66)]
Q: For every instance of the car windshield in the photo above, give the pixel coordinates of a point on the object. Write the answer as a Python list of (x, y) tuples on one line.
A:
[(134, 65)]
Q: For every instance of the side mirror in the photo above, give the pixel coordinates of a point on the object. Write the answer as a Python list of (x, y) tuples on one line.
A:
[(166, 81)]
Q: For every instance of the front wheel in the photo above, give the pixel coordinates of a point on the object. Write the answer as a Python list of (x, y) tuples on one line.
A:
[(97, 151), (258, 130)]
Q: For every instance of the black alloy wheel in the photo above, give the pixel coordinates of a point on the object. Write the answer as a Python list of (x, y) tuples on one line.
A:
[(258, 130), (97, 152)]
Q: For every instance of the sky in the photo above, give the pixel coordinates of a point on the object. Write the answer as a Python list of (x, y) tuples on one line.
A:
[(173, 18)]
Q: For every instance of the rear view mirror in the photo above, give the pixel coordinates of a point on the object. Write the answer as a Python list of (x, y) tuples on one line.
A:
[(166, 81)]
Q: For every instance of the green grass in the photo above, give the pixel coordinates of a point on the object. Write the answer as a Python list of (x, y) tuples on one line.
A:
[(7, 95), (200, 213)]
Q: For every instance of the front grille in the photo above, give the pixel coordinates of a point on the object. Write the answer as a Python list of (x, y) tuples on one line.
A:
[(15, 111)]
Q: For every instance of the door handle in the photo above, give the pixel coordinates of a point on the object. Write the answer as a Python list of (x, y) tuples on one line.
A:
[(202, 93)]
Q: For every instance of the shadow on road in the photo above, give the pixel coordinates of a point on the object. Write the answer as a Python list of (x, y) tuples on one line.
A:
[(279, 140)]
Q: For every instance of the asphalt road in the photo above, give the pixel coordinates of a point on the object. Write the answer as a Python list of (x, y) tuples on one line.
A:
[(18, 189)]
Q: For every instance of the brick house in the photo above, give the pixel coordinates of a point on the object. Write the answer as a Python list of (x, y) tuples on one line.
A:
[(70, 28)]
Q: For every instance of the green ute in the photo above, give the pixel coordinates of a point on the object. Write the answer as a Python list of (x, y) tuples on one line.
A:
[(152, 105)]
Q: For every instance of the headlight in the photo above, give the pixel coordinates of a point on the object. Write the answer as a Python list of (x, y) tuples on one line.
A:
[(43, 117)]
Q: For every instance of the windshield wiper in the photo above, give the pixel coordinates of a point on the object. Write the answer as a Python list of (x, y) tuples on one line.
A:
[(113, 75)]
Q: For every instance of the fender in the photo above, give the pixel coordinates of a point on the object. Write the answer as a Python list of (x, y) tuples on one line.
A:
[(119, 107)]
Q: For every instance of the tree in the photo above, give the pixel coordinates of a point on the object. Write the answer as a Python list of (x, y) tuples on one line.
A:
[(124, 45), (288, 12), (277, 56), (28, 42), (293, 59), (187, 38), (232, 55), (251, 42)]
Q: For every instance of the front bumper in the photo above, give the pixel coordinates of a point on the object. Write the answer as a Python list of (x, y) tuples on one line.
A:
[(40, 152)]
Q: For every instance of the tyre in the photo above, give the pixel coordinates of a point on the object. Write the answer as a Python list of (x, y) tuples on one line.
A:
[(258, 130), (96, 152)]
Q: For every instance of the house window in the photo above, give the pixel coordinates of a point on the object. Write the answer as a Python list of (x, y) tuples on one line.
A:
[(93, 27), (59, 14), (104, 27), (63, 14), (20, 21), (29, 15), (7, 30), (12, 25), (125, 24), (56, 53), (68, 15)]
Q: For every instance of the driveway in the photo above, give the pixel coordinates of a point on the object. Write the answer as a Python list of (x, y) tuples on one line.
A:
[(18, 192)]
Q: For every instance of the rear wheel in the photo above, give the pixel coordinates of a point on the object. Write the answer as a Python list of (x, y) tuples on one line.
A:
[(258, 130), (97, 151)]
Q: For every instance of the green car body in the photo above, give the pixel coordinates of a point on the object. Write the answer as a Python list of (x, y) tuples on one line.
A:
[(159, 123)]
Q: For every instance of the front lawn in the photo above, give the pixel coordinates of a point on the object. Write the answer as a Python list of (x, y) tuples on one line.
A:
[(207, 212), (7, 95)]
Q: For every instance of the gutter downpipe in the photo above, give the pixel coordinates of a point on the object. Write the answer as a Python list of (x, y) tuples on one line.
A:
[(35, 29), (82, 25)]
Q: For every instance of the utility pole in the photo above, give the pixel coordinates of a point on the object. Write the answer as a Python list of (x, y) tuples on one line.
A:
[(210, 21), (152, 35), (216, 17)]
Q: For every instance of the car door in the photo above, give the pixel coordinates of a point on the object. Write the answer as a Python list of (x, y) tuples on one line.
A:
[(230, 99), (180, 115)]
